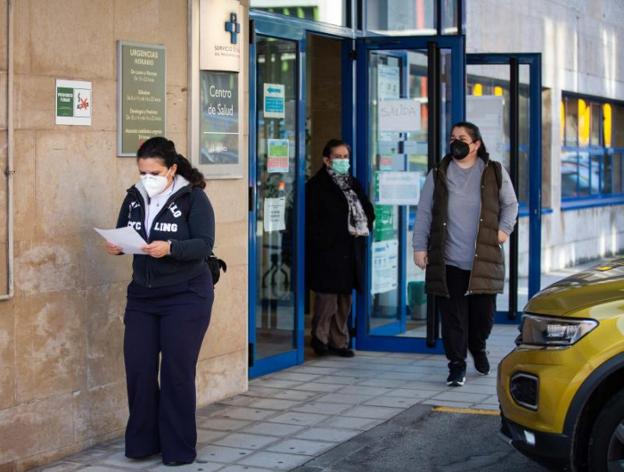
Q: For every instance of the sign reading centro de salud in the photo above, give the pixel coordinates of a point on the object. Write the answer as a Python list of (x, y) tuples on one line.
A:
[(141, 112), (220, 35)]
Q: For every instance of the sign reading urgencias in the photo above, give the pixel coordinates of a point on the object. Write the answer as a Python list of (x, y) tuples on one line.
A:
[(220, 35), (141, 109)]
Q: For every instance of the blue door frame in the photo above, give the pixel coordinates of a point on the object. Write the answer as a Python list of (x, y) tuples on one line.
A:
[(257, 367), (294, 29), (383, 340), (534, 61)]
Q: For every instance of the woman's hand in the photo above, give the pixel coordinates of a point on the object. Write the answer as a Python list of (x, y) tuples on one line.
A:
[(157, 249), (421, 259), (502, 237), (112, 249)]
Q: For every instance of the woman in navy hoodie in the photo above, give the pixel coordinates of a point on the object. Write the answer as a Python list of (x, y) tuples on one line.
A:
[(169, 301)]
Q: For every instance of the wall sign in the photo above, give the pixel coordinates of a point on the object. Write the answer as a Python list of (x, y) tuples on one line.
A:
[(141, 111), (219, 154), (219, 35), (73, 102)]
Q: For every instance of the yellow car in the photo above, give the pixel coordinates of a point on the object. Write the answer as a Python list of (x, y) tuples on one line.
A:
[(561, 390)]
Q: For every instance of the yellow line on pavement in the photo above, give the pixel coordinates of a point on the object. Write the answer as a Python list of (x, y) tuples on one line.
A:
[(465, 411)]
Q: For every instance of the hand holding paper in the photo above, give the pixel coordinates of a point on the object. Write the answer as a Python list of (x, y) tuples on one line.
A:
[(125, 238)]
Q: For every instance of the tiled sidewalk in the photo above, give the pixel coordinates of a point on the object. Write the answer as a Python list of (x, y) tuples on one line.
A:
[(286, 419)]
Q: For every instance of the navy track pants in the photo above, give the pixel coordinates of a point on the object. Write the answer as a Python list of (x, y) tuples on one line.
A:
[(164, 328)]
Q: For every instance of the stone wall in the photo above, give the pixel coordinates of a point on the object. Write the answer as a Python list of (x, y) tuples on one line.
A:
[(62, 385), (580, 43)]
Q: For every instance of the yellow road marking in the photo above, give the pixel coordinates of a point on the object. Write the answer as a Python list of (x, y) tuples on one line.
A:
[(465, 411)]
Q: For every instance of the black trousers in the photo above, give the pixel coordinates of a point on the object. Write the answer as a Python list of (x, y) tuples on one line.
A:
[(164, 330), (466, 319)]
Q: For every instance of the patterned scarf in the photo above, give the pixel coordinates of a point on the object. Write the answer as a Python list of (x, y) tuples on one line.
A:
[(357, 221)]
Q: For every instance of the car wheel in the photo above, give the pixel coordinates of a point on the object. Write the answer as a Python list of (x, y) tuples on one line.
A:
[(606, 444)]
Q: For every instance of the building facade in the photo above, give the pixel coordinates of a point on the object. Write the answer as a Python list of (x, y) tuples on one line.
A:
[(62, 384)]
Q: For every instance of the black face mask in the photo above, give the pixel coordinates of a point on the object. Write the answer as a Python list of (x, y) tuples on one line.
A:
[(459, 149)]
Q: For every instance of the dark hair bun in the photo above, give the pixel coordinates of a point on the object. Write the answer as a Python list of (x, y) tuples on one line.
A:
[(164, 149)]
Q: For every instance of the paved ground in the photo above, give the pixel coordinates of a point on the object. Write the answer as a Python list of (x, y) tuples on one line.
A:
[(288, 419), (419, 439)]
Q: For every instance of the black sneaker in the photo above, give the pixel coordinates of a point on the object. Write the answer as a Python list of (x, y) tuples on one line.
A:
[(320, 349), (481, 362), (457, 376), (341, 351)]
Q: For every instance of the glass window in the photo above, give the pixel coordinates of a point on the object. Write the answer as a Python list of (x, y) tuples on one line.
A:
[(607, 124), (591, 158), (584, 114), (596, 170), (607, 174), (583, 174), (595, 125), (617, 173), (276, 71), (617, 126), (402, 17), (571, 122), (449, 17), (327, 11), (569, 174)]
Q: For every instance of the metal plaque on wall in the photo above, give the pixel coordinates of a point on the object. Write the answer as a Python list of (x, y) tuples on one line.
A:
[(141, 95)]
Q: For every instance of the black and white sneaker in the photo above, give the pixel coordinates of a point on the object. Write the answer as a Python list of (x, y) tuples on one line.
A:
[(457, 376), (481, 362)]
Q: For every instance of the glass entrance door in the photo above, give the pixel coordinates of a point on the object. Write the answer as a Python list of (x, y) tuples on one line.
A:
[(276, 201), (410, 91), (503, 98)]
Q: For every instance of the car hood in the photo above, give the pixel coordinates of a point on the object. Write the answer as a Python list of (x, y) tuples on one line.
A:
[(598, 285)]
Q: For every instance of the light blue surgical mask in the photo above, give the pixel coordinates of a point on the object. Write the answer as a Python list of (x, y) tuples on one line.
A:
[(341, 166)]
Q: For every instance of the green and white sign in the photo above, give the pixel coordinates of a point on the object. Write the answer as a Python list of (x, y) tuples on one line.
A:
[(384, 223), (73, 102), (141, 112), (278, 156)]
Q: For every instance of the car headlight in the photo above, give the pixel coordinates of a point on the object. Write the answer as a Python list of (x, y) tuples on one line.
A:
[(553, 332)]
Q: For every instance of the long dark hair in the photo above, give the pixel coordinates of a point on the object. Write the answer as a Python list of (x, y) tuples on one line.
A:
[(162, 148), (475, 134)]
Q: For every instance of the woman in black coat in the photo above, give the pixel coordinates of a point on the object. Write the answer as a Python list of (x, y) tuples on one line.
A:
[(338, 218)]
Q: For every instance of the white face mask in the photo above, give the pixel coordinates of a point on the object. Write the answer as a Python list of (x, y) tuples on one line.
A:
[(154, 184)]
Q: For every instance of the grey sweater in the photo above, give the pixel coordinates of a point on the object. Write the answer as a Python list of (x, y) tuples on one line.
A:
[(464, 208)]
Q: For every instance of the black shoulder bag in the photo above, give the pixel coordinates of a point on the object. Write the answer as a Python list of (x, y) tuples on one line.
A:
[(216, 265)]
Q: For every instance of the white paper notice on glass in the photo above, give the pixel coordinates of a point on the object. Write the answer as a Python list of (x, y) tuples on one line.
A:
[(126, 238), (400, 115), (489, 112), (274, 101), (274, 214), (399, 188), (385, 266)]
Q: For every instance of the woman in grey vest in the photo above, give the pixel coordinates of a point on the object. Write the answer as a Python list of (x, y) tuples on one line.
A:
[(467, 210)]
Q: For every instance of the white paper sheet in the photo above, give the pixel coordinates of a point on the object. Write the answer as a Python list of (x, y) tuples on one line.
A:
[(126, 238), (274, 214), (399, 188)]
